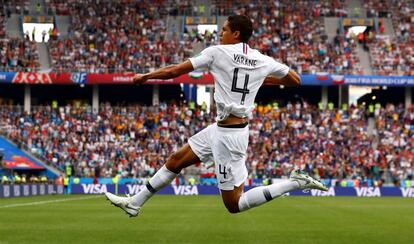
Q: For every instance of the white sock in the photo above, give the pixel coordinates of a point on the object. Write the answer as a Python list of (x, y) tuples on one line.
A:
[(162, 178), (262, 194)]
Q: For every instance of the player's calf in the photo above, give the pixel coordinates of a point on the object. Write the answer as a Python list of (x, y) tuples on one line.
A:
[(262, 194)]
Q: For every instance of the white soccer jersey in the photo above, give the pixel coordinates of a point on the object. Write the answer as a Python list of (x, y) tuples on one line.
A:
[(238, 73)]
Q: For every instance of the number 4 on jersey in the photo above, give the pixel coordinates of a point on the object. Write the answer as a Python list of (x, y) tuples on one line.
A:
[(243, 90)]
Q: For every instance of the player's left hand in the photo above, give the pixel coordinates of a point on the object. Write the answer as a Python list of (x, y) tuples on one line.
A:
[(139, 79)]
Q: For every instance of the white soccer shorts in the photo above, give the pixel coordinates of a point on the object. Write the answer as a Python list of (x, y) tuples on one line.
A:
[(226, 147)]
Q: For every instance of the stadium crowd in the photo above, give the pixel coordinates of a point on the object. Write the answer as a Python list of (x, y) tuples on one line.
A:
[(170, 7), (2, 21), (100, 33), (286, 33), (18, 55), (335, 8), (15, 7), (393, 55), (135, 141), (103, 40)]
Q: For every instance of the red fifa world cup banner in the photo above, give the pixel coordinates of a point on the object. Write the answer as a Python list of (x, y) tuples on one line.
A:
[(43, 78), (61, 78), (109, 79), (90, 79), (127, 79), (31, 78)]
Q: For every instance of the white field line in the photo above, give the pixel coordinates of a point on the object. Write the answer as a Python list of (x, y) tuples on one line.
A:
[(46, 202)]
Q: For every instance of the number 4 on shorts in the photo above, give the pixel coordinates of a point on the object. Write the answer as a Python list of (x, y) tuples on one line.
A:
[(223, 171)]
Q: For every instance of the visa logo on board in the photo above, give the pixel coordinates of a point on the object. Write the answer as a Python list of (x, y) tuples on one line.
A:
[(407, 192), (134, 189), (319, 193), (185, 190), (94, 189), (368, 192)]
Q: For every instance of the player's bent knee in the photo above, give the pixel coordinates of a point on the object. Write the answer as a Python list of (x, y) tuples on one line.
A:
[(233, 210), (231, 199)]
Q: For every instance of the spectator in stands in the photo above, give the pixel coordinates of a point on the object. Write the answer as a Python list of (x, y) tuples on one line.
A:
[(34, 34), (44, 33)]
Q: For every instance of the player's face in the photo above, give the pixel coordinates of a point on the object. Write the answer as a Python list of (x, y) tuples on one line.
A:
[(227, 36)]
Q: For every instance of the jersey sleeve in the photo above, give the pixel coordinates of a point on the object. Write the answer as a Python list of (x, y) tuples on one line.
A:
[(203, 59), (277, 69)]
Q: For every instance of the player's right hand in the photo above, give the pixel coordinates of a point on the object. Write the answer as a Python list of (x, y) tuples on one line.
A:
[(139, 79)]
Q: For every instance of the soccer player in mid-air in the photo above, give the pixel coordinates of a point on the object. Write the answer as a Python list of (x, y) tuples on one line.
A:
[(238, 73)]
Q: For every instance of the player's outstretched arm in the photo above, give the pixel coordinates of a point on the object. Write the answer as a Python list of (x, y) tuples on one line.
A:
[(167, 72), (291, 79)]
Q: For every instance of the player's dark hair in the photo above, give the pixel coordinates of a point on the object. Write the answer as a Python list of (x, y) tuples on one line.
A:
[(243, 24)]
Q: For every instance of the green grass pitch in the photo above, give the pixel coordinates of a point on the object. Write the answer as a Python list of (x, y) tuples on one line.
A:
[(203, 219)]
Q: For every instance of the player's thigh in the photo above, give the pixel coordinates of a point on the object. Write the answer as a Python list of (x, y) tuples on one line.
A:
[(183, 158), (200, 143), (231, 198), (229, 152)]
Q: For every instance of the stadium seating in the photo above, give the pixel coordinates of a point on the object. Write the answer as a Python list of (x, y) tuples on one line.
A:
[(2, 21), (171, 7), (18, 55), (135, 141), (92, 46), (280, 34), (393, 55), (16, 7), (319, 8), (104, 38)]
